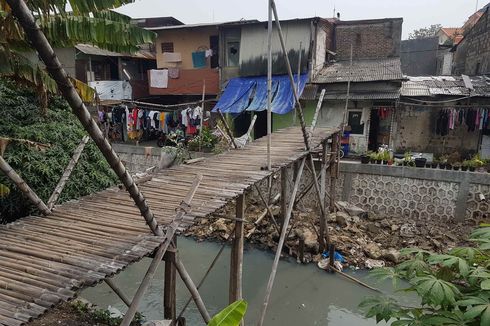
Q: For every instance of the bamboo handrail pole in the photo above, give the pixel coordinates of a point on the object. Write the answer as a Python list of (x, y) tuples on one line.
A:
[(269, 84), (66, 174), (23, 186), (169, 235), (280, 244), (306, 138), (40, 43), (192, 289)]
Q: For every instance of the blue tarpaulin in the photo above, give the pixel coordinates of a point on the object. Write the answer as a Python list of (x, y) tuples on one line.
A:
[(250, 93)]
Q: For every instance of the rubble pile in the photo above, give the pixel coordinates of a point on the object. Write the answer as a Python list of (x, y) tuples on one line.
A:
[(362, 238)]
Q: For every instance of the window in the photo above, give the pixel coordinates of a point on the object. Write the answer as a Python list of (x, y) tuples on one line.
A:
[(354, 122), (167, 47), (232, 53)]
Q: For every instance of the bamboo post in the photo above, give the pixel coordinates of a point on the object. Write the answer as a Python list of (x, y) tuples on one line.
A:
[(280, 245), (39, 42), (23, 186), (192, 289), (298, 79), (171, 230), (268, 208), (331, 257), (236, 261), (306, 139), (333, 170), (169, 287), (269, 85), (202, 112), (118, 291), (66, 174), (284, 194), (228, 131), (323, 175)]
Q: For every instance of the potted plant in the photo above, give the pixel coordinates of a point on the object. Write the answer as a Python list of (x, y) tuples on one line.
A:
[(407, 159), (379, 158), (365, 158), (456, 166), (372, 157), (465, 165), (386, 157), (442, 162), (434, 163), (420, 162)]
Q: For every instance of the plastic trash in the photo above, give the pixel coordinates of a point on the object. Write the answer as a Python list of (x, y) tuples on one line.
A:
[(337, 256)]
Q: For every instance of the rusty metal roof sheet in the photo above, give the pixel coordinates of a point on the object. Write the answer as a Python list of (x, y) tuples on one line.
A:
[(445, 85), (362, 71), (94, 50)]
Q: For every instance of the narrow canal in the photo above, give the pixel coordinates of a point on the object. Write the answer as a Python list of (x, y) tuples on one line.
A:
[(302, 295)]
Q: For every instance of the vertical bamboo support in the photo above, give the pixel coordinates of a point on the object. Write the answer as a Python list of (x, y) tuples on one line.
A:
[(333, 170), (323, 174), (236, 263), (169, 285), (284, 194)]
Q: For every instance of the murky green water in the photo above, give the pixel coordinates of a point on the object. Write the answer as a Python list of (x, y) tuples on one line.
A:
[(302, 295)]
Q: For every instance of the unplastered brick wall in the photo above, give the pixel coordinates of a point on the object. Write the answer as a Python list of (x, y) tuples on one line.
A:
[(414, 130), (370, 39)]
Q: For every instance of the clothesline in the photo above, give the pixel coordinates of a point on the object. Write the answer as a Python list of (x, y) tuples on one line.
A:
[(468, 106), (166, 107)]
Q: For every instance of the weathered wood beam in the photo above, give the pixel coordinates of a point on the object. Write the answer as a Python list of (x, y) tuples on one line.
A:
[(169, 287), (317, 111), (171, 230), (280, 245), (23, 186), (40, 43), (67, 173)]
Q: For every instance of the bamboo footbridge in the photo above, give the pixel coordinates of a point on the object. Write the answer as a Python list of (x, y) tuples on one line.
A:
[(46, 260)]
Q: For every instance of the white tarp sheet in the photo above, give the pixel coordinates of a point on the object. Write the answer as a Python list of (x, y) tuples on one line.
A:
[(112, 89)]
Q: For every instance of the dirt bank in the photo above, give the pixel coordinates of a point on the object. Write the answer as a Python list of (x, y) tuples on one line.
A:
[(359, 236)]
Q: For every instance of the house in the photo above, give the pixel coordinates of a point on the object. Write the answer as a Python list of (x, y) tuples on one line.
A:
[(419, 57), (375, 78), (450, 35), (437, 114), (190, 54), (472, 54), (243, 66)]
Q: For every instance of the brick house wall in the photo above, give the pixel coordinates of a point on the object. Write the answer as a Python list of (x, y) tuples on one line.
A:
[(371, 39), (472, 55)]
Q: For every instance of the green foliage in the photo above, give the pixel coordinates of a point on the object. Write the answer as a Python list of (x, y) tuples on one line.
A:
[(454, 288), (231, 315), (425, 32), (207, 138), (42, 169), (103, 316)]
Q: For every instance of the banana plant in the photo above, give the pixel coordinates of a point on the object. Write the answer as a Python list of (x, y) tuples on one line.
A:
[(231, 315), (65, 23)]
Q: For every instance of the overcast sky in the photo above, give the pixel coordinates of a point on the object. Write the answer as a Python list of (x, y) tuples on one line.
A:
[(415, 13)]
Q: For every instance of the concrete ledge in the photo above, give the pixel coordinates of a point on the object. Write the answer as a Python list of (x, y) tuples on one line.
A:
[(416, 173)]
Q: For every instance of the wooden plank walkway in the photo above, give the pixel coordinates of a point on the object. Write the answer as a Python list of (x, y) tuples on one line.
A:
[(46, 260)]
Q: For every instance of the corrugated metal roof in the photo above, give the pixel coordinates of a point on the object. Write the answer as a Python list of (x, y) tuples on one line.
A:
[(362, 71), (364, 96), (445, 85), (310, 92), (94, 50)]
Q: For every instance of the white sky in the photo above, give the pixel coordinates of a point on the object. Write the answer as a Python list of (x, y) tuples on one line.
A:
[(416, 13)]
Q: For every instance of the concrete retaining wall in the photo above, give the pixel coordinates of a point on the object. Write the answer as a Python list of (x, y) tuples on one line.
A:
[(137, 159), (414, 192)]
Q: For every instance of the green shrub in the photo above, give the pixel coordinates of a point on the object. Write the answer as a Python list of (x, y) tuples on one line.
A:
[(453, 288), (21, 119)]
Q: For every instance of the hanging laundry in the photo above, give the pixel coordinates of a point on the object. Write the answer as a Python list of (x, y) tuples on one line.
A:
[(199, 59), (442, 123), (173, 73), (208, 53), (159, 78)]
